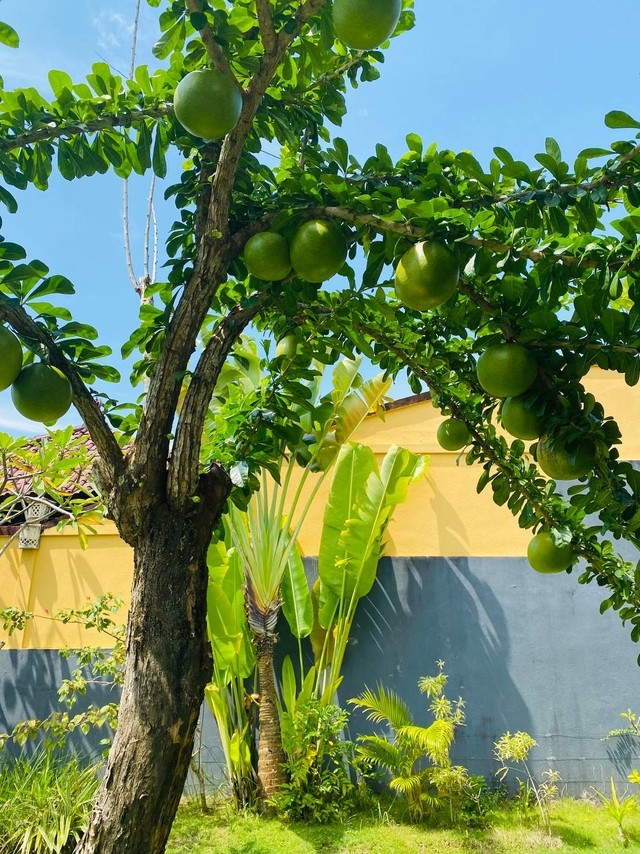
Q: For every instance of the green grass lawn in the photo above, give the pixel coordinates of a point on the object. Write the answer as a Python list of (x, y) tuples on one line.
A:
[(577, 826)]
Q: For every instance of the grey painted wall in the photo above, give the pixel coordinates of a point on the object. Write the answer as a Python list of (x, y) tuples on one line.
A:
[(525, 651)]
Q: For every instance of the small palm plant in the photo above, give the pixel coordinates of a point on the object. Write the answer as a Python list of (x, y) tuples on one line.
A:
[(618, 807), (402, 755)]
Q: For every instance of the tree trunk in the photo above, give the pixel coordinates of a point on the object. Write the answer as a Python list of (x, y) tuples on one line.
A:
[(271, 774), (167, 666)]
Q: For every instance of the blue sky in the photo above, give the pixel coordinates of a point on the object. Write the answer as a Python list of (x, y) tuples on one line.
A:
[(471, 75)]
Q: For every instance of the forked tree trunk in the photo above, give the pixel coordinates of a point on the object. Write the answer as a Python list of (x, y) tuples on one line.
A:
[(167, 666), (271, 774)]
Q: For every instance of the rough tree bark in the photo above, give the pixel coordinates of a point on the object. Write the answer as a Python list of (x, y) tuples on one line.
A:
[(168, 664)]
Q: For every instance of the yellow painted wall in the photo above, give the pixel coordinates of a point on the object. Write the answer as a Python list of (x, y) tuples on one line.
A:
[(443, 516), (59, 575)]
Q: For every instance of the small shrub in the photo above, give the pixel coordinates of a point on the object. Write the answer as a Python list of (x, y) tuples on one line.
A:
[(45, 804), (516, 748), (618, 808), (319, 787), (401, 755)]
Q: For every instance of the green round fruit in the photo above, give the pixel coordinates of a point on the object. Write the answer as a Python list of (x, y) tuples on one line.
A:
[(365, 24), (452, 434), (207, 103), (267, 256), (566, 462), (10, 357), (545, 556), (506, 370), (41, 393), (426, 276), (318, 250), (287, 347), (520, 421)]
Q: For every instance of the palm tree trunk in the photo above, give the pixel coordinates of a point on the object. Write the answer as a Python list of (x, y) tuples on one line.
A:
[(271, 773)]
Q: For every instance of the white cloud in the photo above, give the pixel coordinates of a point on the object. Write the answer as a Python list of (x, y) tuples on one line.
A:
[(113, 30), (12, 423)]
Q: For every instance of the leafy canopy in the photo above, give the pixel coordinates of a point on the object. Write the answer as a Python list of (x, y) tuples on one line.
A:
[(544, 265)]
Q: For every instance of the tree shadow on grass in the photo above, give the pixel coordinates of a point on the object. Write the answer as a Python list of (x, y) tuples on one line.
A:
[(570, 836), (325, 838), (249, 847)]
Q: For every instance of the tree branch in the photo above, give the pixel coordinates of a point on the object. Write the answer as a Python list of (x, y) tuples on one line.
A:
[(519, 481), (265, 23), (99, 430), (52, 131), (213, 257), (337, 72), (214, 51), (406, 230), (305, 13), (183, 467), (605, 180)]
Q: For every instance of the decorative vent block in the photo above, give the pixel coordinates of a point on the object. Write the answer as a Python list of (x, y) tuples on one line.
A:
[(30, 536)]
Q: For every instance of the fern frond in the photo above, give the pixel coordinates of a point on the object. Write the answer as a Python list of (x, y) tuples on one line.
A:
[(407, 786), (384, 706), (381, 752), (434, 740)]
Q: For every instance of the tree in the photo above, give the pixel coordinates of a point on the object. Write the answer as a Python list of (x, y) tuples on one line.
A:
[(539, 268)]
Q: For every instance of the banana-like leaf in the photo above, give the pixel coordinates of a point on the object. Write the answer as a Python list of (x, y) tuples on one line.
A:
[(226, 618), (329, 606), (355, 465), (322, 642), (289, 685), (358, 511), (296, 599), (355, 398)]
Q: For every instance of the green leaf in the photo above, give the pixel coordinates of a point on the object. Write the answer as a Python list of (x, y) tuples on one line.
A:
[(159, 159), (620, 119), (414, 143), (60, 82), (53, 285), (296, 598), (553, 149), (8, 36), (11, 251), (8, 200), (170, 41)]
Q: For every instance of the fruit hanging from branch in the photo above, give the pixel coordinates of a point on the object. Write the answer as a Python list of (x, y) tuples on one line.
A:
[(10, 357), (267, 257), (520, 420), (506, 370), (453, 434), (365, 24), (287, 347), (41, 393), (546, 556), (207, 103), (318, 250), (566, 461), (427, 276)]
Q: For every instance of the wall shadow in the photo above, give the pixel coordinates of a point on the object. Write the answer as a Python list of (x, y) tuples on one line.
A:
[(425, 609)]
